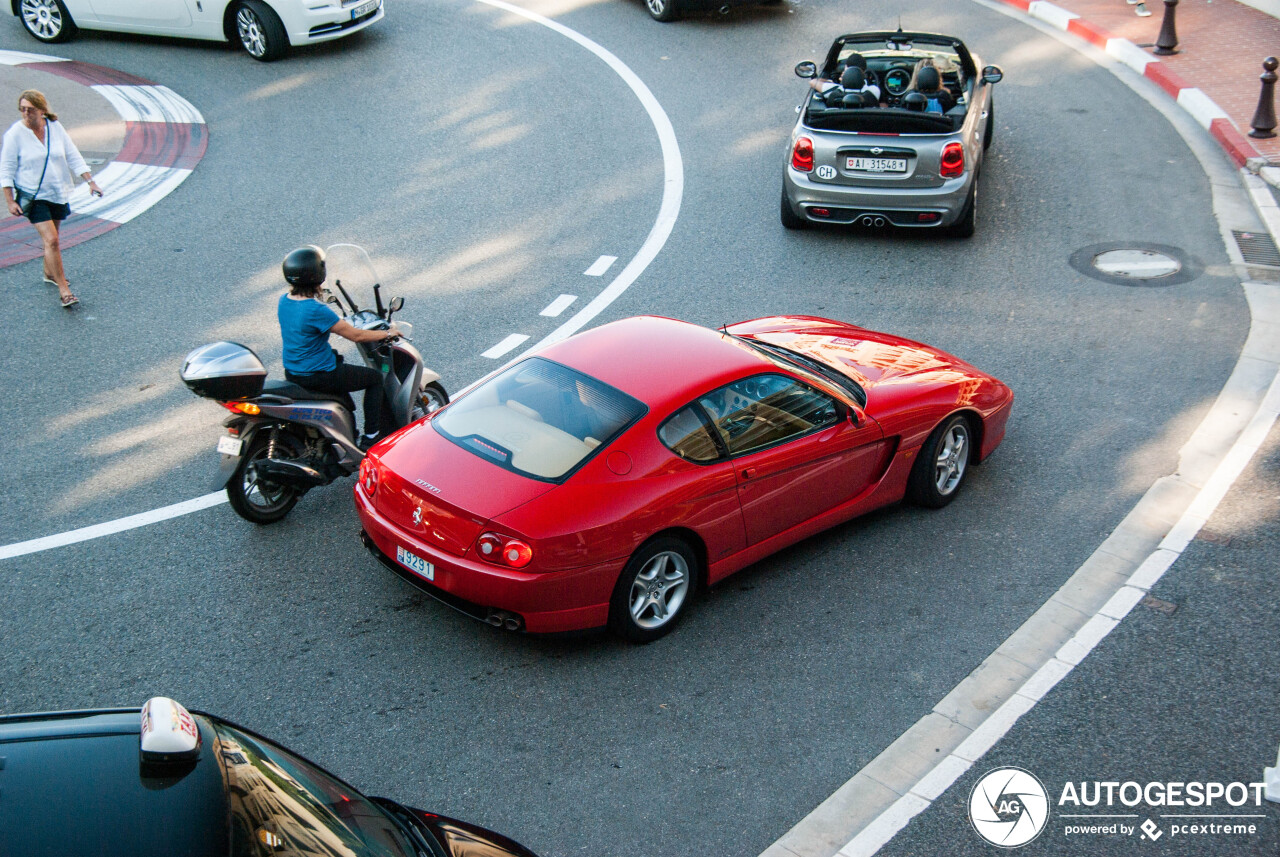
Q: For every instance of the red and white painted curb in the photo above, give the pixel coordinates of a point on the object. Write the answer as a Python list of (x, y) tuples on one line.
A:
[(165, 137), (1209, 115)]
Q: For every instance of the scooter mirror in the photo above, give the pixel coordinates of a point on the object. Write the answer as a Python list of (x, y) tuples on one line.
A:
[(330, 298), (396, 303)]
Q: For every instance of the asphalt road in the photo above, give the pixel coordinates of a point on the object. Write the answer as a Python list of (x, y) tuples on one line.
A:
[(1182, 691), (486, 162)]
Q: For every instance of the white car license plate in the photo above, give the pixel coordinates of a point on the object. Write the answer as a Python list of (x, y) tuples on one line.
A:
[(230, 445), (364, 9), (413, 562), (877, 165)]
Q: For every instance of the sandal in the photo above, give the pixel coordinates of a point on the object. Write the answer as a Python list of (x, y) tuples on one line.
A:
[(54, 282), (69, 301)]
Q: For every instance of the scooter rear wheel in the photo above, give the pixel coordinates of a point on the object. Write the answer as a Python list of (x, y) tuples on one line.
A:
[(255, 499)]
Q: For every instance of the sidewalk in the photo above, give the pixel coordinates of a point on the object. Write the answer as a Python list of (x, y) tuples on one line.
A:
[(1221, 46)]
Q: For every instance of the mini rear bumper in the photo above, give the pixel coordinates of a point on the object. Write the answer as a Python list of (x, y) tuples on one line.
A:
[(928, 207), (539, 603)]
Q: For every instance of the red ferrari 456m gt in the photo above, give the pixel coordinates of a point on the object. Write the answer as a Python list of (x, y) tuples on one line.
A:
[(605, 479)]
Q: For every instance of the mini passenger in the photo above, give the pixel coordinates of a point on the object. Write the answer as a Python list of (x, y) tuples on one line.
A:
[(929, 84), (837, 91), (852, 82)]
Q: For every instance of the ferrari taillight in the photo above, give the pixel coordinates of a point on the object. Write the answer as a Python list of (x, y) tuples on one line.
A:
[(952, 161), (504, 550), (802, 155), (369, 475)]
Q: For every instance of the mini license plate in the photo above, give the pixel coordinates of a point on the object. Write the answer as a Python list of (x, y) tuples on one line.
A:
[(877, 165), (413, 562), (364, 9), (230, 445)]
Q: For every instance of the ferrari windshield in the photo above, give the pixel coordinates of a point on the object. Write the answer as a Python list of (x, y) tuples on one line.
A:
[(538, 419)]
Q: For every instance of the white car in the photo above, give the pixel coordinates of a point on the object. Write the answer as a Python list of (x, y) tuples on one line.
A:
[(266, 28)]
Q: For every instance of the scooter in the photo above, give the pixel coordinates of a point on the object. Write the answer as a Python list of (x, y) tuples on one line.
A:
[(282, 439)]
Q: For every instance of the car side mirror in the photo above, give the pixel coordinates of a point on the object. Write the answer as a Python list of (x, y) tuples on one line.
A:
[(992, 74), (395, 304), (807, 70)]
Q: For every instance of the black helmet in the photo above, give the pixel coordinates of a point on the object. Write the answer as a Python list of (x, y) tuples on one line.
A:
[(304, 267)]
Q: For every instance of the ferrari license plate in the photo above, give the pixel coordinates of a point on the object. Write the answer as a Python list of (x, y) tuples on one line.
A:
[(415, 563), (877, 165), (230, 445), (364, 9)]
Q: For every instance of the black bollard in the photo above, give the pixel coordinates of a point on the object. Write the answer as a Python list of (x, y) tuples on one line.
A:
[(1167, 41), (1264, 118)]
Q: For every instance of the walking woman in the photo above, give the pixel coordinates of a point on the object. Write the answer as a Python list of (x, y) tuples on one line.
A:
[(36, 163)]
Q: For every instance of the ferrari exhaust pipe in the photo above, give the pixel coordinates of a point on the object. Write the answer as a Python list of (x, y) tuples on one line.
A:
[(504, 619)]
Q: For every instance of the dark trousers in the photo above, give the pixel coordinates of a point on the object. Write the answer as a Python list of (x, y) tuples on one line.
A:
[(347, 379)]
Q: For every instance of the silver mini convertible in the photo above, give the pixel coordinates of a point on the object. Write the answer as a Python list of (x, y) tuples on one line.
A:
[(900, 142)]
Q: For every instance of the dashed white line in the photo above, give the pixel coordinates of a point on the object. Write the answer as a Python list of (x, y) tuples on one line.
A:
[(668, 211), (505, 345), (559, 305), (599, 266)]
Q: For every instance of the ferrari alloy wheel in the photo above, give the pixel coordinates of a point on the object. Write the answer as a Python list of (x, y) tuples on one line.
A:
[(432, 398), (254, 498), (47, 20), (653, 590), (261, 33), (663, 10), (941, 464)]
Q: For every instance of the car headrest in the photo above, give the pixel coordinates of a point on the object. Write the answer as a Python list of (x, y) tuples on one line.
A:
[(928, 79), (853, 78), (915, 101), (856, 99)]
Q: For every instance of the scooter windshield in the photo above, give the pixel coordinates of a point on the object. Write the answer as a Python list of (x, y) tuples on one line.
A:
[(349, 269)]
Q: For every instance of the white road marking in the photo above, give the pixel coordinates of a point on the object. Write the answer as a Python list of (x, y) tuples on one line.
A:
[(672, 185), (129, 189), (668, 211), (559, 305), (504, 346), (21, 58), (83, 534), (151, 103), (599, 266)]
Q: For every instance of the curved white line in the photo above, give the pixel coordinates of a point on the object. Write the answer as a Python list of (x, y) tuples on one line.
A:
[(668, 211), (672, 185)]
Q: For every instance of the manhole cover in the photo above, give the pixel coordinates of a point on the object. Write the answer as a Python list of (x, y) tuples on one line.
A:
[(1138, 264)]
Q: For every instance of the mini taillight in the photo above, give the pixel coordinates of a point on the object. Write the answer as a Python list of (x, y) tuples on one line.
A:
[(504, 550), (952, 161), (802, 155), (369, 475)]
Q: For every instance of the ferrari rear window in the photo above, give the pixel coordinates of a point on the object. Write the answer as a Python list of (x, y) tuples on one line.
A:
[(539, 419)]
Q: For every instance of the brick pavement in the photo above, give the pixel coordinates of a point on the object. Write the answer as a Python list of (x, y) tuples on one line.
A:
[(1221, 46)]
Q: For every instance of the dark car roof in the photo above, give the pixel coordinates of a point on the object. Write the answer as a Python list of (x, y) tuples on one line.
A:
[(72, 783)]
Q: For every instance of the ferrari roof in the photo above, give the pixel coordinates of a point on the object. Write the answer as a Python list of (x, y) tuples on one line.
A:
[(657, 359)]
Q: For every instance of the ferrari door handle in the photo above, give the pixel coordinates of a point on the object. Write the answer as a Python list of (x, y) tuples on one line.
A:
[(748, 472)]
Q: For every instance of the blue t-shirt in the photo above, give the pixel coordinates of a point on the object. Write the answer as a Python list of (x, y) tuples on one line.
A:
[(304, 328)]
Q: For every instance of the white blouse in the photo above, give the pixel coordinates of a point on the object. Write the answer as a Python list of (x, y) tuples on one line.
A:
[(22, 161)]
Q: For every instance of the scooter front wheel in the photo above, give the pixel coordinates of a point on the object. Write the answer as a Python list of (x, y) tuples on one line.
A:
[(254, 498), (432, 398)]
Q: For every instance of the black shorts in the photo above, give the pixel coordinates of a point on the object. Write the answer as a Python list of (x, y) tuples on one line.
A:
[(42, 210)]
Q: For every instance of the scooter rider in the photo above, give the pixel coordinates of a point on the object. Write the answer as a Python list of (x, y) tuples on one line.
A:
[(305, 325)]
